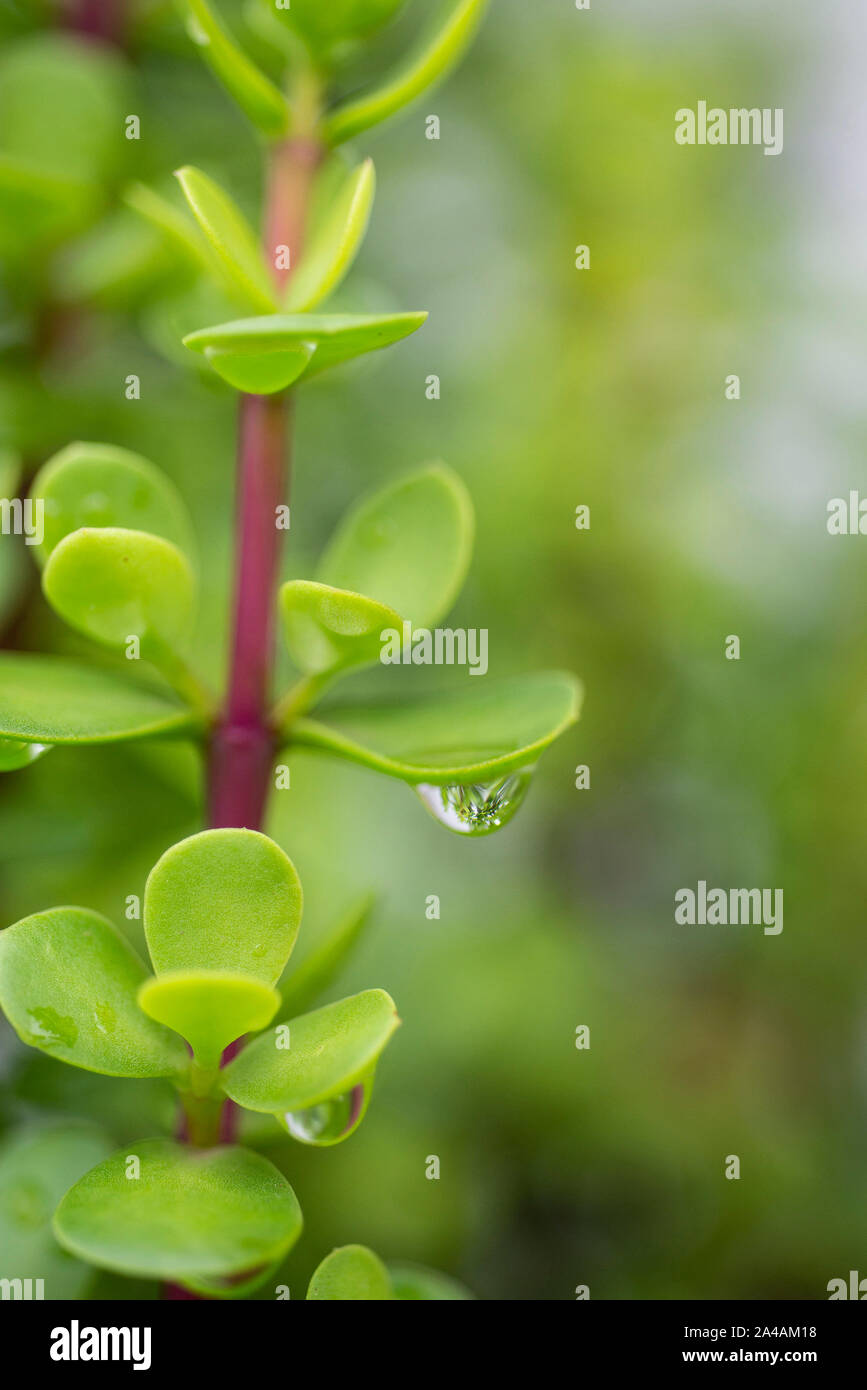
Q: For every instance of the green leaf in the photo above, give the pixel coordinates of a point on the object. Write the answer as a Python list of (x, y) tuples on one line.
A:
[(438, 53), (113, 584), (274, 345), (334, 243), (223, 900), (98, 485), (190, 1214), (256, 94), (330, 630), (414, 1282), (37, 206), (68, 985), (466, 735), (231, 237), (50, 699), (351, 1273), (36, 1168), (15, 754), (173, 225), (315, 974), (316, 1072), (408, 545), (210, 1008)]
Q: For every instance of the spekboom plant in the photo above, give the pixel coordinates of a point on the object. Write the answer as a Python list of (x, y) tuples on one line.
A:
[(222, 909)]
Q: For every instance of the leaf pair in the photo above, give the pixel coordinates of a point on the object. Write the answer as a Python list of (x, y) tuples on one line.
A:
[(394, 566), (221, 915), (329, 29), (114, 551)]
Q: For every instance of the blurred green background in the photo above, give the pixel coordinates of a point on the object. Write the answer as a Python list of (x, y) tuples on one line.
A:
[(559, 1167)]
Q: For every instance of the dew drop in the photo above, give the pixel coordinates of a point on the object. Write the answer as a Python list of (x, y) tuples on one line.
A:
[(477, 808), (331, 1120), (52, 1028)]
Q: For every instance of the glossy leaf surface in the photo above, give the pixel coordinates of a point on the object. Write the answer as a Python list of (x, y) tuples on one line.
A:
[(202, 1214), (210, 1008), (68, 985), (334, 242), (98, 485), (323, 1054), (408, 545), (255, 93), (351, 1273), (470, 734), (230, 236), (325, 339), (330, 630), (51, 699), (223, 900)]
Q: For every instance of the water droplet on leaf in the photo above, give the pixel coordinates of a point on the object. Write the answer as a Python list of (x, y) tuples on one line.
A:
[(52, 1028), (477, 808), (329, 1121)]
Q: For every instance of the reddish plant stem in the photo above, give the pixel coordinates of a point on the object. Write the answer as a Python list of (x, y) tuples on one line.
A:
[(97, 19)]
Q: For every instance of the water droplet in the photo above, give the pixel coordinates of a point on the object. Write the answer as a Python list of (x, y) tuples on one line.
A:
[(105, 1018), (478, 808), (52, 1028), (15, 754), (329, 1121)]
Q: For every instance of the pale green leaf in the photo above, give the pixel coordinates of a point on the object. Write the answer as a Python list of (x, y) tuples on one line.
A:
[(472, 734), (255, 93), (414, 1283), (231, 237), (314, 1059), (408, 545), (334, 243), (188, 1214), (210, 1008), (437, 54), (335, 338), (223, 900), (330, 630), (99, 485), (351, 1273), (68, 985), (113, 584), (51, 699)]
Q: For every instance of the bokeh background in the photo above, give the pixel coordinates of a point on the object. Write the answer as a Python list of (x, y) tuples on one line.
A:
[(559, 1167)]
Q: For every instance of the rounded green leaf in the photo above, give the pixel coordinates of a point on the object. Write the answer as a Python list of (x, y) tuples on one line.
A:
[(415, 1283), (68, 985), (256, 95), (187, 1214), (230, 236), (408, 545), (210, 1008), (334, 241), (113, 584), (329, 630), (315, 1058), (472, 734), (223, 900), (14, 754), (327, 339), (50, 699), (261, 373), (351, 1273), (36, 1168), (98, 485), (437, 53)]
